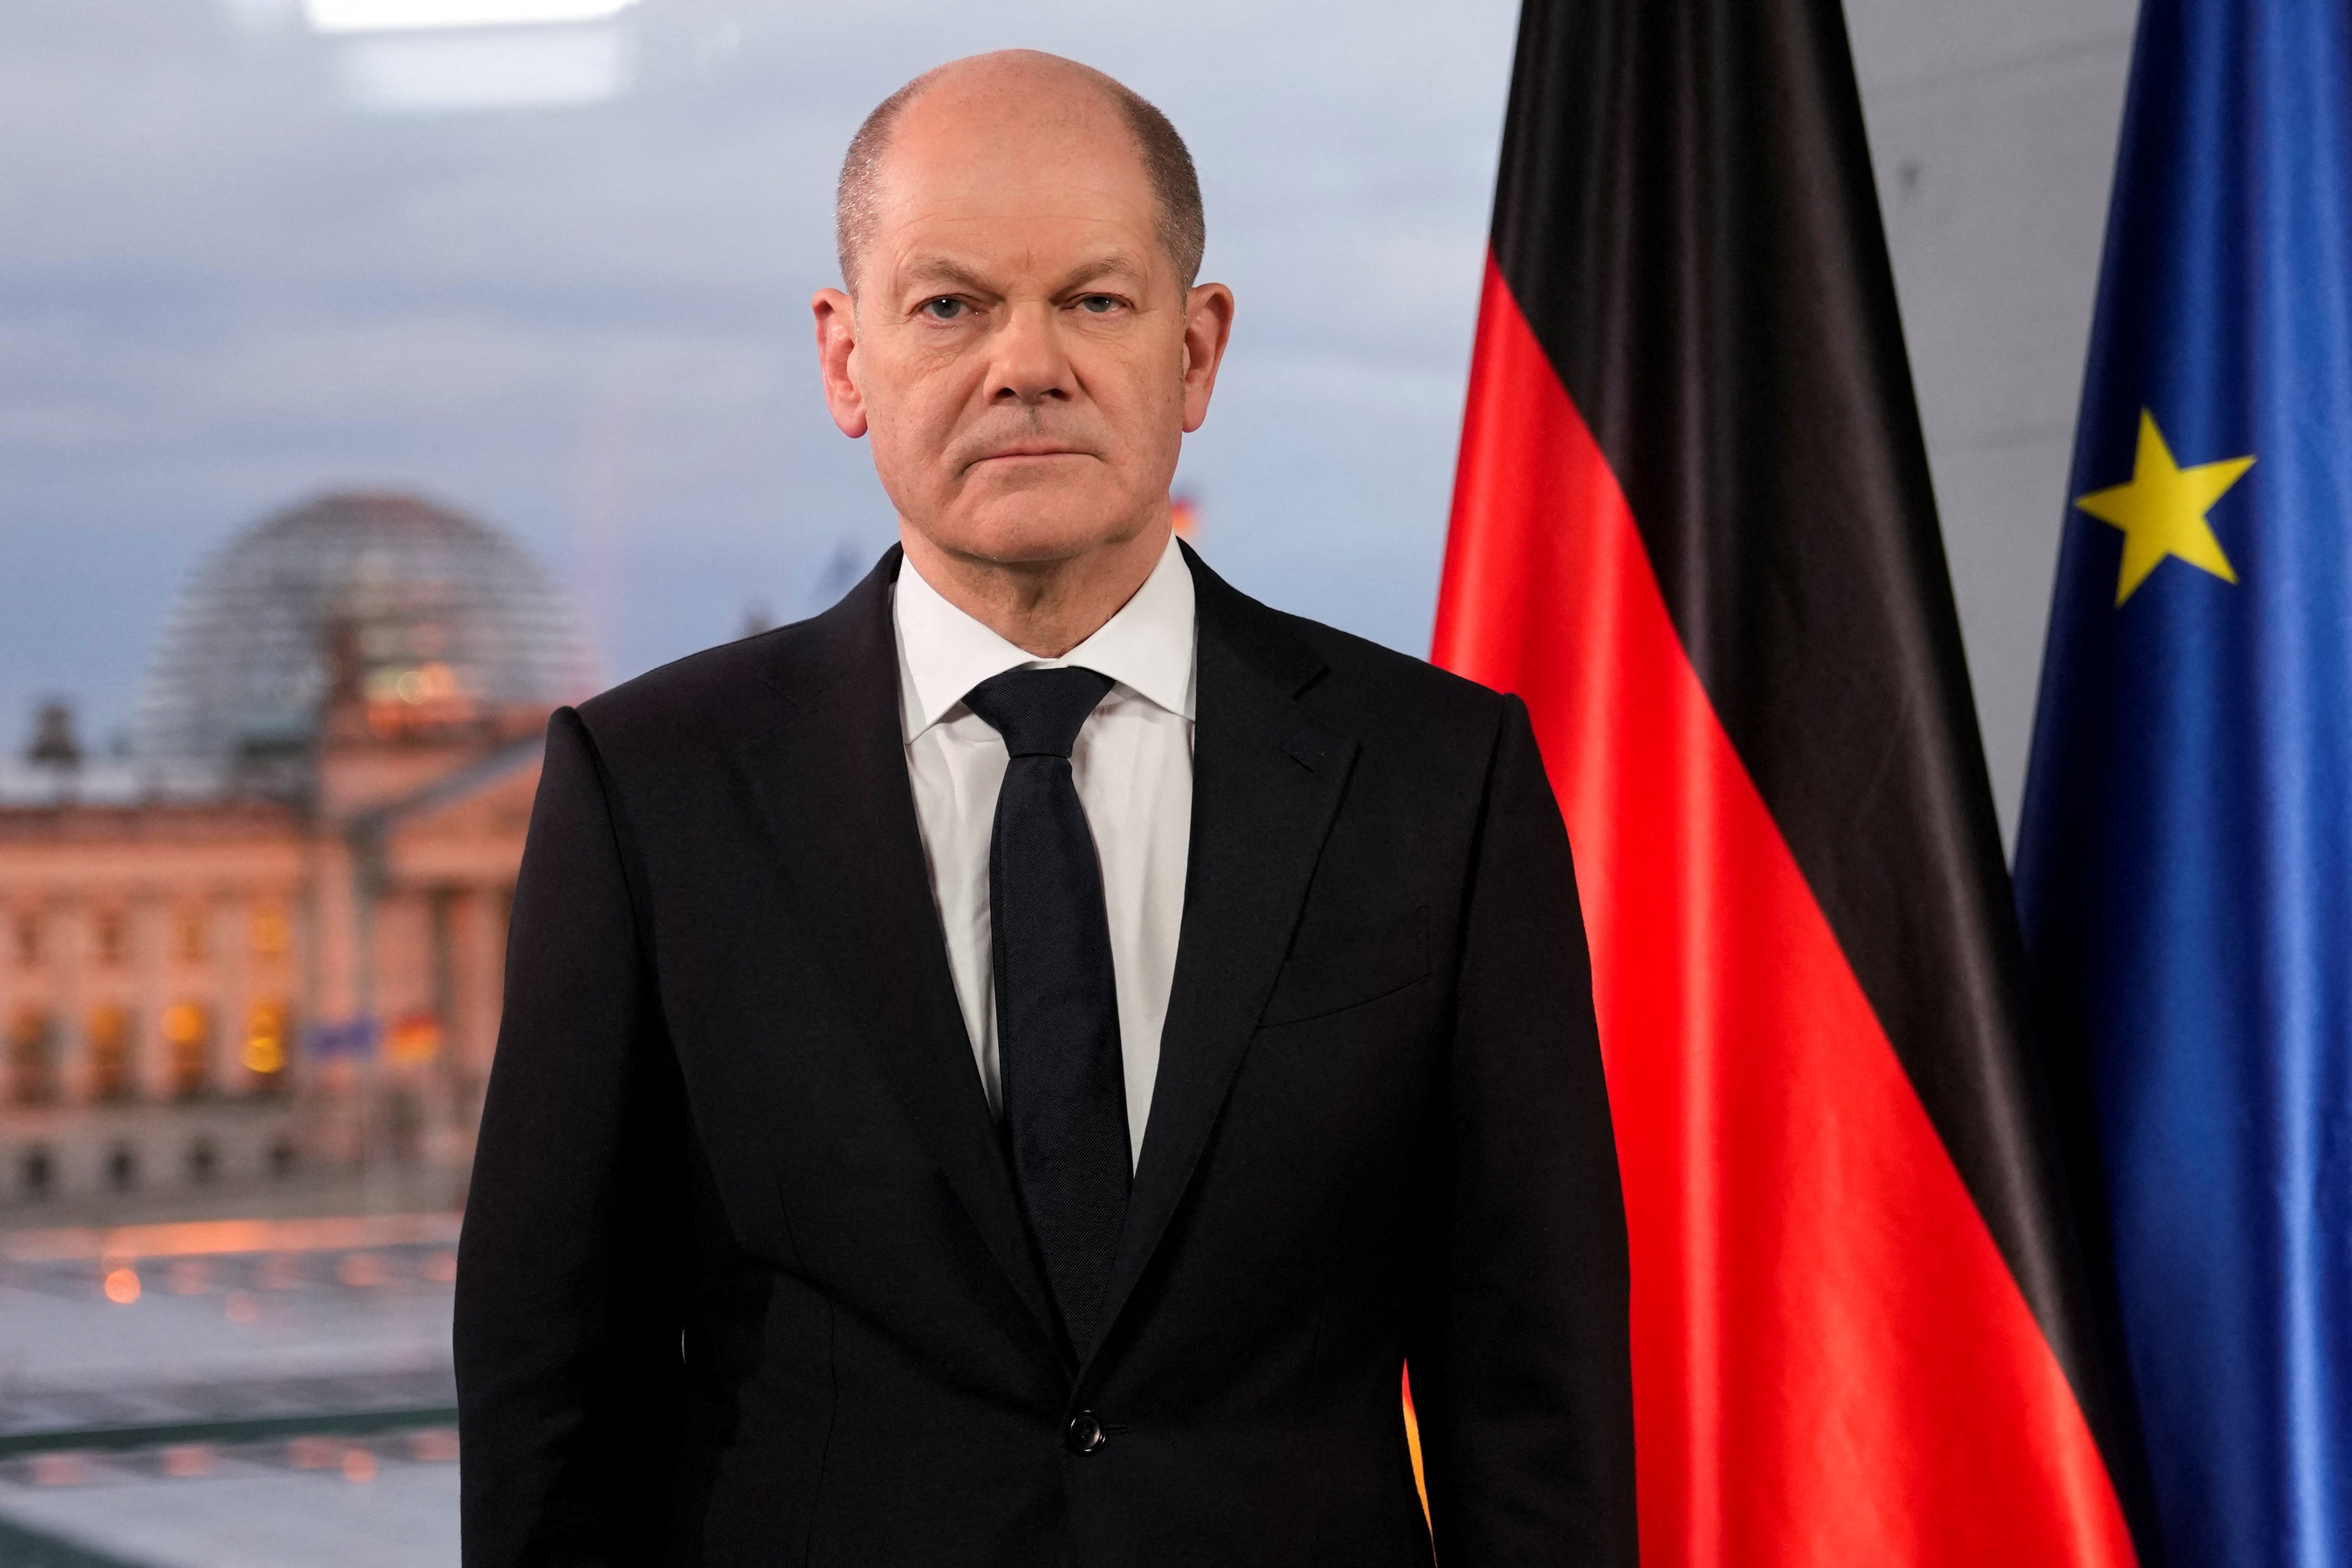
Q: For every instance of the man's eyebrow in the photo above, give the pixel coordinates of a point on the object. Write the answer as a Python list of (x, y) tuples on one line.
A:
[(934, 269), (1110, 264), (930, 270)]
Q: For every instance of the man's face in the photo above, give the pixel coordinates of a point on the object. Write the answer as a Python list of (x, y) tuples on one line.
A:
[(1020, 349)]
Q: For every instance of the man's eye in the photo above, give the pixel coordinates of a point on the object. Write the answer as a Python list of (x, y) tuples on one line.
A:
[(946, 308), (1098, 304)]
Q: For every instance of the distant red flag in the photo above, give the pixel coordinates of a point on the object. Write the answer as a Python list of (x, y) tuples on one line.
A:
[(1693, 529)]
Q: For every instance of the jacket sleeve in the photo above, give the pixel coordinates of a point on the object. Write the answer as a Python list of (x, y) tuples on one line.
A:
[(1521, 1370), (573, 1269)]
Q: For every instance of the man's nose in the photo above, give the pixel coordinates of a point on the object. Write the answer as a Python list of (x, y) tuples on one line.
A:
[(1030, 364)]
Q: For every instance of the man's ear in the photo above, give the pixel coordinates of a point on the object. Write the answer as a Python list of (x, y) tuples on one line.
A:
[(836, 359), (1208, 323)]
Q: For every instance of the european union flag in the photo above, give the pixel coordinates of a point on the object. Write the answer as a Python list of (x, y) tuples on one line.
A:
[(2185, 864)]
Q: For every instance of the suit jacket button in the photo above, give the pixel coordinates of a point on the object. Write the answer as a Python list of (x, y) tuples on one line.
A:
[(1086, 1433)]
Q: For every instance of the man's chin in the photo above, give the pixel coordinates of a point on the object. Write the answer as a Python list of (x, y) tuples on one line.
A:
[(1039, 526)]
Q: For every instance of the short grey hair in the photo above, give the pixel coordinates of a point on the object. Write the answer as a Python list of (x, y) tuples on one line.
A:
[(1167, 164)]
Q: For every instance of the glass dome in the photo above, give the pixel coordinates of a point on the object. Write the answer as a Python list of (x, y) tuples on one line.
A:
[(412, 602)]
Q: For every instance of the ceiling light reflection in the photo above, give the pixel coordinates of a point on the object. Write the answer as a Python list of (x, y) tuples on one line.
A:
[(404, 15)]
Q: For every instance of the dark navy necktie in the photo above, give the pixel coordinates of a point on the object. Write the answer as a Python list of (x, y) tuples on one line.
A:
[(1056, 1000)]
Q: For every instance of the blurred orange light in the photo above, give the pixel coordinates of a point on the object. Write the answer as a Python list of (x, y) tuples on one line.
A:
[(123, 1286), (434, 1445), (1412, 1445), (359, 1464), (360, 1269), (265, 1038), (415, 1037), (60, 1470), (313, 1453), (185, 1459), (212, 1238)]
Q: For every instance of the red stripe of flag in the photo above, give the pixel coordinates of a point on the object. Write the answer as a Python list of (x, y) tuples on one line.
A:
[(1833, 1361)]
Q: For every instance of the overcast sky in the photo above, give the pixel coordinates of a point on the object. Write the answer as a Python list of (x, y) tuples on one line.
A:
[(223, 287), (226, 283)]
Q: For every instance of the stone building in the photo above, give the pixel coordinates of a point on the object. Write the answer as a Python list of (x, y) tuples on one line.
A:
[(267, 942)]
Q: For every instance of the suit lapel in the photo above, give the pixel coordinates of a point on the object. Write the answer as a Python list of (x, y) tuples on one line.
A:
[(832, 779), (1266, 779)]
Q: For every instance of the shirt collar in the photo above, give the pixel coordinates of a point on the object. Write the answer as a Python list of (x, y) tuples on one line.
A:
[(944, 653)]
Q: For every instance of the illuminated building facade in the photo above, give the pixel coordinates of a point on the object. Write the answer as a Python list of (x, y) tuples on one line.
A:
[(268, 940)]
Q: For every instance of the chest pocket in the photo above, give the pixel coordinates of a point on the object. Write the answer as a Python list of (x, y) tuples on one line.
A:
[(1331, 970)]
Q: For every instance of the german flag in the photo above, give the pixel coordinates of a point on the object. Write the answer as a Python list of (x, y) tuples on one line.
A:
[(1693, 528)]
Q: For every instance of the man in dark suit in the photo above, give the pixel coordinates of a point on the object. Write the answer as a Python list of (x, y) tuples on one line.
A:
[(1010, 1070)]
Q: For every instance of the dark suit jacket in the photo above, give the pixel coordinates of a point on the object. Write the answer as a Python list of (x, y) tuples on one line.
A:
[(744, 1279)]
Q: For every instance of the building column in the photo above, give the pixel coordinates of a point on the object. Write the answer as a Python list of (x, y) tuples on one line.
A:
[(149, 936), (478, 957), (77, 940), (228, 938)]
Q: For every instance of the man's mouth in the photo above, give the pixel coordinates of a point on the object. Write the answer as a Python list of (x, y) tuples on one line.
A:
[(1031, 449)]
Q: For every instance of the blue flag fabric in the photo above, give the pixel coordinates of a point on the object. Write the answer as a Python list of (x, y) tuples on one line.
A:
[(2184, 866)]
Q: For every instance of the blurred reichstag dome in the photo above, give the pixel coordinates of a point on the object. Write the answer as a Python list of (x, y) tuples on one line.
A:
[(415, 607)]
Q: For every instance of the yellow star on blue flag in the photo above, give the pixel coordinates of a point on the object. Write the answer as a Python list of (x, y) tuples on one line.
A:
[(2162, 510), (2184, 850)]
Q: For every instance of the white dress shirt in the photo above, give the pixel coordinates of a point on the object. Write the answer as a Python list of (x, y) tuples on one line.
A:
[(1133, 767)]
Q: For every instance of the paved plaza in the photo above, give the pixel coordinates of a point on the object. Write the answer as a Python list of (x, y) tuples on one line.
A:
[(229, 1394)]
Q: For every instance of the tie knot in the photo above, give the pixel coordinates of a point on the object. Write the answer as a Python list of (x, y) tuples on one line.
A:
[(1038, 711)]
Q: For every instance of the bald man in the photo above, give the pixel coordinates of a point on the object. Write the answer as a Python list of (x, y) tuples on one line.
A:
[(1013, 1070)]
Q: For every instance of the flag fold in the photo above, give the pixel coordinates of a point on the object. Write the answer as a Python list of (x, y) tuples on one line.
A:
[(1693, 528)]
